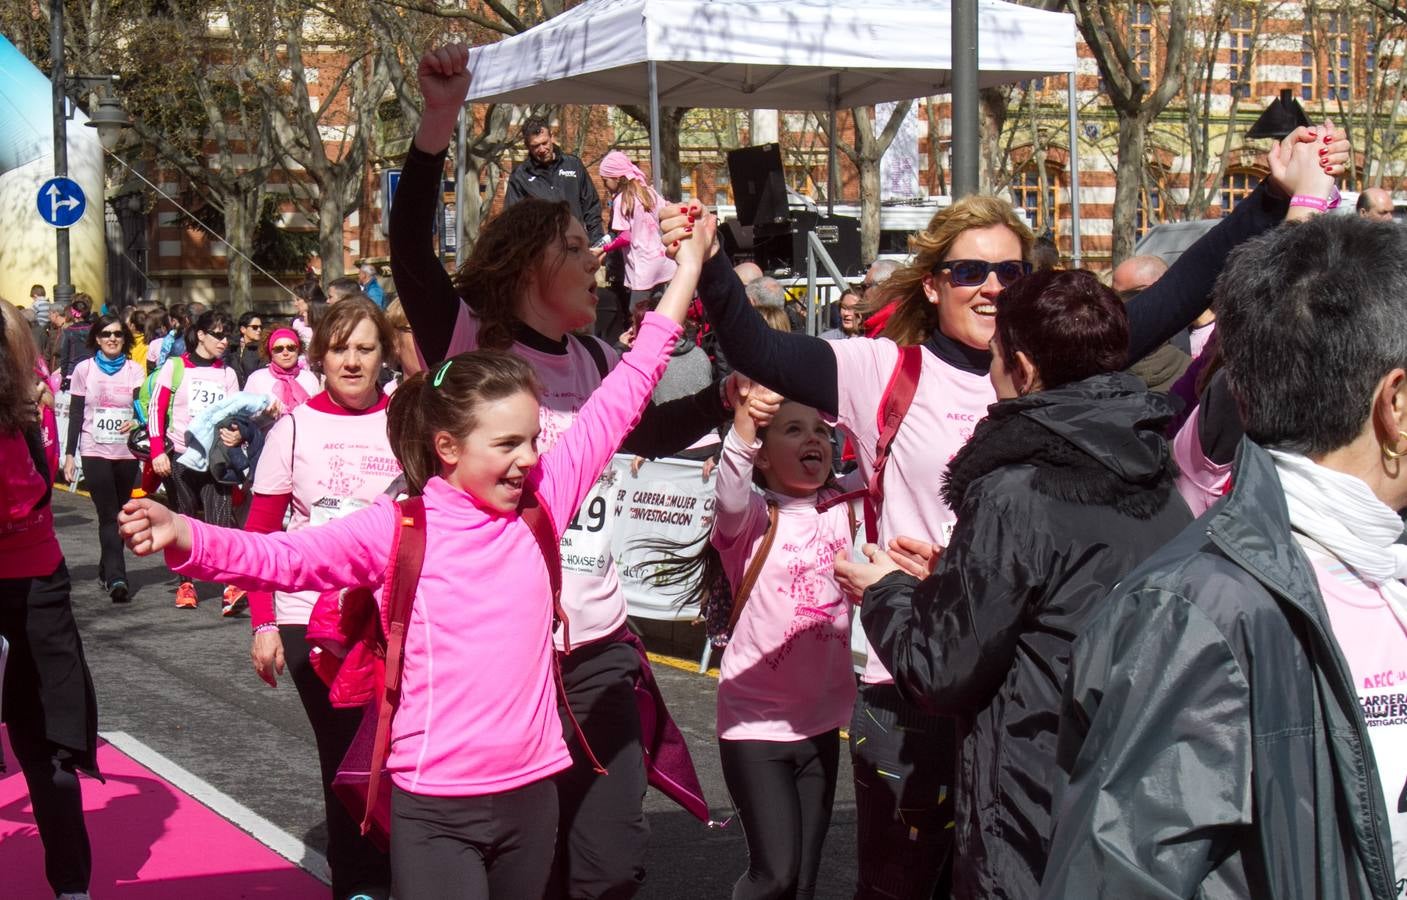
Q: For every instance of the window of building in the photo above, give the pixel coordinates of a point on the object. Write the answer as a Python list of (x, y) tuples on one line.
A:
[(1326, 57), (1240, 34), (1026, 195), (1141, 40), (1235, 187)]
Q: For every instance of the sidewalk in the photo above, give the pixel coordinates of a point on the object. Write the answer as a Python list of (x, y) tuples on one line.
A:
[(151, 841)]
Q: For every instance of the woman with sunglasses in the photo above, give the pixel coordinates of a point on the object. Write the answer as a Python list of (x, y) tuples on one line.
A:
[(286, 376), (945, 303), (187, 385), (329, 457), (100, 415)]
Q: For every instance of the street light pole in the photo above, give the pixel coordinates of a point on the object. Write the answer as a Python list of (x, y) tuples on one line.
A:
[(63, 290), (965, 143)]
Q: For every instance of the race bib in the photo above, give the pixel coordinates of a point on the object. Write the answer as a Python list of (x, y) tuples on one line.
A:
[(586, 542), (108, 424), (203, 395), (329, 508)]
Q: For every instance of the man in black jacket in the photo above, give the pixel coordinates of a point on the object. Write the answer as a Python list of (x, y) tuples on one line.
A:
[(550, 174)]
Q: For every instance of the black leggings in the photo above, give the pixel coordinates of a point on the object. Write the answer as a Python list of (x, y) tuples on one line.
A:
[(357, 866), (199, 495), (783, 791), (494, 847), (49, 770), (110, 484)]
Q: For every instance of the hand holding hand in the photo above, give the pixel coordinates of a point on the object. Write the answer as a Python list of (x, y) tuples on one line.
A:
[(856, 577), (147, 527), (1308, 158), (444, 77), (267, 655), (914, 556), (679, 222), (762, 405), (697, 245)]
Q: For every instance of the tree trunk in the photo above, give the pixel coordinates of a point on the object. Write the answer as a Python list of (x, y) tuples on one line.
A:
[(241, 221), (671, 170), (330, 247), (1133, 134), (869, 206)]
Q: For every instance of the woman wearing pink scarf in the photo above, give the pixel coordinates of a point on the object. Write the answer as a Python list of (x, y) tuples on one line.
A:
[(635, 210), (286, 377)]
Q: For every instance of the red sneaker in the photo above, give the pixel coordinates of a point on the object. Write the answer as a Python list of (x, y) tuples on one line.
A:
[(185, 596), (235, 600)]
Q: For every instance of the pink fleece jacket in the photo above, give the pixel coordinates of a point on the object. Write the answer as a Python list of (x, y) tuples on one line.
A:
[(478, 710)]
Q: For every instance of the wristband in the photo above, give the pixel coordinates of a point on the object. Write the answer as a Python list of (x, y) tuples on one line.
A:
[(266, 628), (1316, 203), (1334, 197)]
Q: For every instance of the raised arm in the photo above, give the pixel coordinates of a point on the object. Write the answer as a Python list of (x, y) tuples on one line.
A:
[(427, 295), (1173, 301)]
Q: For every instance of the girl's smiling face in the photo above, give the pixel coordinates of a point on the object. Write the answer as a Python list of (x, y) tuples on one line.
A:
[(795, 458), (493, 459)]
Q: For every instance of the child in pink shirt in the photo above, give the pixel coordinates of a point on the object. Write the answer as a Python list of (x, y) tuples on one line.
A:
[(474, 810), (786, 685)]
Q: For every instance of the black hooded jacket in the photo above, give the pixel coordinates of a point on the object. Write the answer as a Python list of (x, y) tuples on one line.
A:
[(1059, 495)]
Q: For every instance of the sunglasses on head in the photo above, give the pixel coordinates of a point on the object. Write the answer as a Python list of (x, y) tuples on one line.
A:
[(284, 348), (109, 334), (972, 272)]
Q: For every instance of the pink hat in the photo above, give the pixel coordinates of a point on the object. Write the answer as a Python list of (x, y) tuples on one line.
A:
[(617, 165)]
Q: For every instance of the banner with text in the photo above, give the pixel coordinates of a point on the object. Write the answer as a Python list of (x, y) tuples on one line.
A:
[(666, 500)]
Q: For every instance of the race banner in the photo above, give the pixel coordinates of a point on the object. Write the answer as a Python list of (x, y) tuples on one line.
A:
[(665, 500)]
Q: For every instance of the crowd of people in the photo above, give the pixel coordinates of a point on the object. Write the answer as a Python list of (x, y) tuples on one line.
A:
[(1130, 563)]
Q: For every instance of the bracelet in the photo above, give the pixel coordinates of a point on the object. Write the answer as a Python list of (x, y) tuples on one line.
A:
[(1317, 203), (1334, 197), (266, 628)]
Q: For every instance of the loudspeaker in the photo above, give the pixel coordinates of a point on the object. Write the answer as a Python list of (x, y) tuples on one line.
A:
[(759, 188), (780, 246)]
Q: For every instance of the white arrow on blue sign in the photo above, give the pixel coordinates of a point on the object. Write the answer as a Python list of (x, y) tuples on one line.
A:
[(61, 202)]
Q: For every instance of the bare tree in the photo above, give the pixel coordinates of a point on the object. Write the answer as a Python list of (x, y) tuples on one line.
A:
[(1137, 98), (865, 154)]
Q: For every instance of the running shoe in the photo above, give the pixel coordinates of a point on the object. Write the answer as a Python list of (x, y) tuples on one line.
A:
[(185, 596), (235, 600), (119, 593)]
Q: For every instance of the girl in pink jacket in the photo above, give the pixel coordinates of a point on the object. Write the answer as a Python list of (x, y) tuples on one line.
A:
[(476, 735)]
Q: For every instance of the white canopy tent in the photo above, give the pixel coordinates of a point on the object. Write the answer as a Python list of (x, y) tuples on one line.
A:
[(767, 54)]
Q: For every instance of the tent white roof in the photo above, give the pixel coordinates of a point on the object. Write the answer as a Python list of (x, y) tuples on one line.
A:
[(768, 54)]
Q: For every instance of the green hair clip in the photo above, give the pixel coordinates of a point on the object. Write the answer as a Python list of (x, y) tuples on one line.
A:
[(440, 375)]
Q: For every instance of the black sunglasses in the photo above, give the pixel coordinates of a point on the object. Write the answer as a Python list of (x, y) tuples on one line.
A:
[(217, 335), (972, 272), (109, 334)]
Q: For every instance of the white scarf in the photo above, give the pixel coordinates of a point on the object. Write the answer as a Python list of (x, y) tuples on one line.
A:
[(1344, 517)]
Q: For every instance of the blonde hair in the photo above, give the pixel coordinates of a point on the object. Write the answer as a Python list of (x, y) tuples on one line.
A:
[(633, 192), (915, 318), (775, 317)]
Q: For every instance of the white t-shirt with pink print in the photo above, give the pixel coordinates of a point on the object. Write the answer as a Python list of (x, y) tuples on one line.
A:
[(786, 673), (946, 408)]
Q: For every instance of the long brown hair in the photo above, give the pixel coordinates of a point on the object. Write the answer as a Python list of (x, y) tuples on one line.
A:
[(447, 398), (633, 192), (334, 328), (512, 248), (915, 318), (17, 377)]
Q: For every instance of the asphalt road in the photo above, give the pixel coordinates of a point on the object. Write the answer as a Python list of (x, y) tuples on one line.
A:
[(180, 681)]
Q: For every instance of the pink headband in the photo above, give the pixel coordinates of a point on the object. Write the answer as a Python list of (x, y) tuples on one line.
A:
[(281, 332), (617, 165)]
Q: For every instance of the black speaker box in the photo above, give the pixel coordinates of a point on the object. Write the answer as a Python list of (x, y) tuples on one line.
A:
[(782, 246), (759, 188)]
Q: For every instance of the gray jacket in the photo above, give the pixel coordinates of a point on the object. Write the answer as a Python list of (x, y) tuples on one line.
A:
[(1211, 742)]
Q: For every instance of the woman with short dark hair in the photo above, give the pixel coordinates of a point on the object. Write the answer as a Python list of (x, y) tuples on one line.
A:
[(1064, 487), (99, 420)]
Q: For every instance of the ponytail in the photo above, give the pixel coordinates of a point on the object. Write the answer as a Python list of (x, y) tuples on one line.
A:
[(411, 441)]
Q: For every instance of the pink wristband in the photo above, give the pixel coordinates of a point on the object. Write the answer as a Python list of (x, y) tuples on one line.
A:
[(1334, 197), (1311, 202)]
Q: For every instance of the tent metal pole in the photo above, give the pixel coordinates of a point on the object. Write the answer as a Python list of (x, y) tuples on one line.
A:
[(966, 174), (833, 160), (656, 157), (460, 144), (1073, 101)]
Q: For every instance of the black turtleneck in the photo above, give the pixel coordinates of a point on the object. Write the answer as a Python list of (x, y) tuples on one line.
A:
[(959, 355)]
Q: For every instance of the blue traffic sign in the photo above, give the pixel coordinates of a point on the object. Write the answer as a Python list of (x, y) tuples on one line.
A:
[(61, 202)]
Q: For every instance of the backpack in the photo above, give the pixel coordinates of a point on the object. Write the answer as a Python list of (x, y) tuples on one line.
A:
[(371, 643), (893, 406), (141, 404)]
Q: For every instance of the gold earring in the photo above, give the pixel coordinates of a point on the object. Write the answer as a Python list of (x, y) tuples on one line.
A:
[(1391, 454)]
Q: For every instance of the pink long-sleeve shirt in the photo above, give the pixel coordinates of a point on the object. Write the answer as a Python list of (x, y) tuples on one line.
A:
[(478, 711)]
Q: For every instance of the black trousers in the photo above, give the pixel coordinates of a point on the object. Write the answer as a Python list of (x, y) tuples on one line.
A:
[(49, 767), (602, 827), (110, 484), (198, 492), (357, 865), (784, 791), (904, 765), (497, 846)]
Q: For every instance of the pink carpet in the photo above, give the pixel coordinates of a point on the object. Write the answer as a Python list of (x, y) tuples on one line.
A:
[(150, 842)]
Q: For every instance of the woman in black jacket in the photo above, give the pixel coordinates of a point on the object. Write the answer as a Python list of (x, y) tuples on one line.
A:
[(1062, 490)]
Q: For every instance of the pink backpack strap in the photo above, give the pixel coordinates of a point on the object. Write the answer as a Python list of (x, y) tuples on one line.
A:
[(893, 406), (400, 599), (537, 518)]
